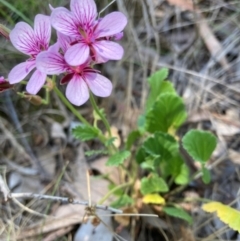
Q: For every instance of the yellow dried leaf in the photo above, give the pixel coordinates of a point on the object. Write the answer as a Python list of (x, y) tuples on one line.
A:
[(226, 214), (153, 198)]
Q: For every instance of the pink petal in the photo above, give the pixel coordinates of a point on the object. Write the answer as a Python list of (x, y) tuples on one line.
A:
[(105, 50), (98, 84), (77, 91), (85, 11), (36, 82), (20, 71), (23, 39), (62, 20), (51, 63), (64, 41), (42, 29), (77, 54), (111, 24)]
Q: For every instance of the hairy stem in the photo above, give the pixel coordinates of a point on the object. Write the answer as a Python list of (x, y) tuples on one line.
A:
[(95, 107), (70, 106)]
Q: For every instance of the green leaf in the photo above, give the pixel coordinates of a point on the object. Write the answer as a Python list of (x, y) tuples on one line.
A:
[(118, 158), (173, 165), (132, 137), (151, 163), (95, 152), (110, 141), (141, 123), (162, 145), (153, 184), (183, 177), (122, 201), (141, 155), (206, 175), (85, 133), (158, 86), (199, 144), (178, 213), (118, 192), (96, 116), (167, 112)]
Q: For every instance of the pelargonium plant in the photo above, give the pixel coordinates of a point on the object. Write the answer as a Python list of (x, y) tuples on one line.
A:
[(84, 41)]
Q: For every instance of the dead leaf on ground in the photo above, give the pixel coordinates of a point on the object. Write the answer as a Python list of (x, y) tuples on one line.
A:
[(224, 128), (183, 4), (112, 172)]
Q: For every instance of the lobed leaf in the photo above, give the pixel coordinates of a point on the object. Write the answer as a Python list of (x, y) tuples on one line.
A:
[(85, 133), (168, 112), (199, 145), (226, 214), (153, 184), (118, 158), (158, 86)]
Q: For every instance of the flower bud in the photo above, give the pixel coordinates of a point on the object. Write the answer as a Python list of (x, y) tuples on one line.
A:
[(4, 84), (33, 99), (4, 31)]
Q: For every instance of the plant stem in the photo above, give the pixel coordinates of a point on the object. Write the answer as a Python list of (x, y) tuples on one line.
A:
[(95, 107), (114, 190), (70, 106)]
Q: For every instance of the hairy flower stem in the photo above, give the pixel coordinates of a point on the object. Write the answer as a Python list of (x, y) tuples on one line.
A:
[(95, 107), (70, 106), (101, 137)]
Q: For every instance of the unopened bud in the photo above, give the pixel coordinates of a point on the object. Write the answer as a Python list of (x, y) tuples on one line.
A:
[(34, 99), (4, 84), (4, 31)]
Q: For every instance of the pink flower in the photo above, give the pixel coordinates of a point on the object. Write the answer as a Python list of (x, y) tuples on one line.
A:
[(30, 42), (92, 36), (79, 78)]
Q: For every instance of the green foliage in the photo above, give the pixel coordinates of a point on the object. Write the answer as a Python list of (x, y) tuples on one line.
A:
[(178, 213), (95, 152), (85, 132), (132, 137), (206, 175), (199, 144), (110, 141), (162, 145), (162, 151), (141, 123), (158, 86), (122, 201), (118, 158), (167, 112), (153, 184), (183, 176)]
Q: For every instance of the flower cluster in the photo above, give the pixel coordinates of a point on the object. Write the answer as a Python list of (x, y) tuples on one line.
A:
[(83, 40)]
